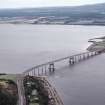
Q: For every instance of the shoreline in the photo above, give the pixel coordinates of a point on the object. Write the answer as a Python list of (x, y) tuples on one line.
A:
[(97, 45), (51, 24)]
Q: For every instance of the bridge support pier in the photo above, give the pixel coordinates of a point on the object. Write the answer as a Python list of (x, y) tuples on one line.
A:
[(34, 72), (51, 67), (71, 61), (88, 56), (45, 71), (38, 72), (79, 58), (83, 57), (95, 53)]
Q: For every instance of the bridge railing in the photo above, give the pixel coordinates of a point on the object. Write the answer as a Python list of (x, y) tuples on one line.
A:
[(49, 67), (54, 98)]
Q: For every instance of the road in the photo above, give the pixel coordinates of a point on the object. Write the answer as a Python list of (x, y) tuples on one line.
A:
[(21, 92)]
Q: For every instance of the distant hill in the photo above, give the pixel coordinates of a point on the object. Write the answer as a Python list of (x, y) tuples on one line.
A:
[(74, 14), (96, 9)]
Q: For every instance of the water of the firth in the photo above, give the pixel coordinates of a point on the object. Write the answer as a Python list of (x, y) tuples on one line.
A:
[(22, 46)]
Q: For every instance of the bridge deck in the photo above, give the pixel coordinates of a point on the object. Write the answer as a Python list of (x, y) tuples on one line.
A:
[(71, 59)]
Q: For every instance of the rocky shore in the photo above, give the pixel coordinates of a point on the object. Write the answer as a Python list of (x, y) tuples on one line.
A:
[(97, 44)]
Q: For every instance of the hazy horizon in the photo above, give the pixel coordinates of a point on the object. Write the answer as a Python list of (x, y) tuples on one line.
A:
[(15, 4)]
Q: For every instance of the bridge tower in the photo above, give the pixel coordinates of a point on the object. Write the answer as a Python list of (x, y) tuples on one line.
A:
[(71, 60), (51, 67)]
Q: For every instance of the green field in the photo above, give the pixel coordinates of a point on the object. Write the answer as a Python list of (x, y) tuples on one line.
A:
[(8, 76)]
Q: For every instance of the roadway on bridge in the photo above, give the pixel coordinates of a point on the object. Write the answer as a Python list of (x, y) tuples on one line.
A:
[(82, 83)]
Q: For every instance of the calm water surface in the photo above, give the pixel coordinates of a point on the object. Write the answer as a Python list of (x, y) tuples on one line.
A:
[(22, 46)]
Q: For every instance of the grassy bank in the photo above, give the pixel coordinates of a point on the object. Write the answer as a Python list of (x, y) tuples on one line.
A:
[(8, 76)]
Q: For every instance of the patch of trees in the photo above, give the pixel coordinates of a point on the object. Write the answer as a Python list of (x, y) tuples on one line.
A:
[(6, 97), (2, 73), (31, 84)]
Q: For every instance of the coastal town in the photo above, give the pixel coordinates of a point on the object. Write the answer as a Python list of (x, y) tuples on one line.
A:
[(51, 20)]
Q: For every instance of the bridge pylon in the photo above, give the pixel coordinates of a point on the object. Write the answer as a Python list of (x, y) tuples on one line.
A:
[(71, 60), (51, 67)]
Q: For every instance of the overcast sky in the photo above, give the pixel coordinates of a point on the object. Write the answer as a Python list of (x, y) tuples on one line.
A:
[(44, 3)]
